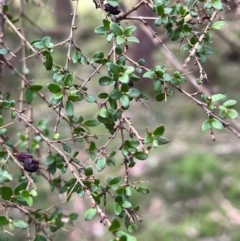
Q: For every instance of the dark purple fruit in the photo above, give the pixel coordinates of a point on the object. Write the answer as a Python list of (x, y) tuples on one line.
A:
[(23, 155), (110, 9), (30, 165), (130, 83)]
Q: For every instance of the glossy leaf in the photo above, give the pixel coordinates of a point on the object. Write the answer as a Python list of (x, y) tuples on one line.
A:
[(6, 193), (66, 148), (91, 123), (40, 238), (141, 155), (101, 163), (20, 224), (3, 221), (69, 109), (53, 87), (115, 225), (90, 214), (218, 25), (216, 124), (117, 30)]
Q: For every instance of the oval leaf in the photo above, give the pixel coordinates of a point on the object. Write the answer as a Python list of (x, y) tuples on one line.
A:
[(141, 155), (90, 214)]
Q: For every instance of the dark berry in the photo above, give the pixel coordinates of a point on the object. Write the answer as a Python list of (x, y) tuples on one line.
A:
[(31, 165), (23, 155), (130, 83), (110, 9)]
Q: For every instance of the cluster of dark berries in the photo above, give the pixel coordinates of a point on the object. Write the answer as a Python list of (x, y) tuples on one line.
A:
[(110, 9), (29, 163)]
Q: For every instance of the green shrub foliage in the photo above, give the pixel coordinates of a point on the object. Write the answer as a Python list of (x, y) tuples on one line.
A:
[(34, 151)]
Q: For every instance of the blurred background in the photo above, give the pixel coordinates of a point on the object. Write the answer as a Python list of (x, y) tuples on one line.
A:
[(194, 182)]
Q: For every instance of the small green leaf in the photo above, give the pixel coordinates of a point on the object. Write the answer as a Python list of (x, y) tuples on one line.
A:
[(229, 103), (115, 180), (126, 204), (117, 209), (232, 114), (217, 97), (129, 31), (115, 225), (133, 39), (49, 62), (3, 221), (75, 96), (56, 136), (29, 200), (66, 148), (54, 88), (190, 3), (217, 4), (115, 94), (159, 131), (150, 74), (91, 123), (6, 193), (88, 171), (40, 238), (90, 98), (103, 112), (118, 50), (218, 25), (75, 57), (160, 97), (20, 224), (124, 101), (103, 95), (113, 3), (4, 175), (120, 40), (101, 163), (124, 78), (46, 40), (216, 124), (39, 45), (90, 214), (175, 34), (73, 216), (101, 30), (29, 96), (126, 237), (133, 93), (132, 227), (33, 193), (20, 187), (68, 80), (141, 155), (105, 80), (35, 88), (162, 140), (186, 47), (57, 77), (117, 30), (114, 68), (206, 125), (142, 190), (69, 109), (49, 160)]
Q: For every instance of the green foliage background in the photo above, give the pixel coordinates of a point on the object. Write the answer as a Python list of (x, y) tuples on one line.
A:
[(193, 182)]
